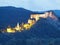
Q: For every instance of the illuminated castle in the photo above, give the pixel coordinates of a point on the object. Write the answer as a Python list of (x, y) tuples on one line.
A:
[(45, 15), (19, 28), (33, 19)]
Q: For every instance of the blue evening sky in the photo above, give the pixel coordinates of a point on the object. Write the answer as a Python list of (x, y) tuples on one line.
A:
[(34, 5)]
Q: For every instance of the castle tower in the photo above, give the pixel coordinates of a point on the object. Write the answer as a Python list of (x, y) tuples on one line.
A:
[(31, 21), (52, 16), (18, 28), (35, 16), (18, 25), (46, 14)]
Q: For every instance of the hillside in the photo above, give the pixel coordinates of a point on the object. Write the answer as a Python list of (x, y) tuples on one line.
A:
[(12, 15)]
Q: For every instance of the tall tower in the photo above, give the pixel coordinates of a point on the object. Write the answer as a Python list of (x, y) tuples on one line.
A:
[(18, 28), (18, 25)]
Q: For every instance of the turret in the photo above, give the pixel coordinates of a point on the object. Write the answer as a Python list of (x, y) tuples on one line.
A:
[(17, 28)]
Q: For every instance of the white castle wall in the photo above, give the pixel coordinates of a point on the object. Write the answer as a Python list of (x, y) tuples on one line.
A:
[(45, 15)]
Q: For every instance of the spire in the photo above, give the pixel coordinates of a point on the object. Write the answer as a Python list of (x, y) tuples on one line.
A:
[(18, 25)]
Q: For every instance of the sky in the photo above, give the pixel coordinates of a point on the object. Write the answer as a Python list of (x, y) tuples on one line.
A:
[(34, 5)]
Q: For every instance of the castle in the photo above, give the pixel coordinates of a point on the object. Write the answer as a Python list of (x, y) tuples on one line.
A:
[(45, 15), (33, 19), (19, 28)]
